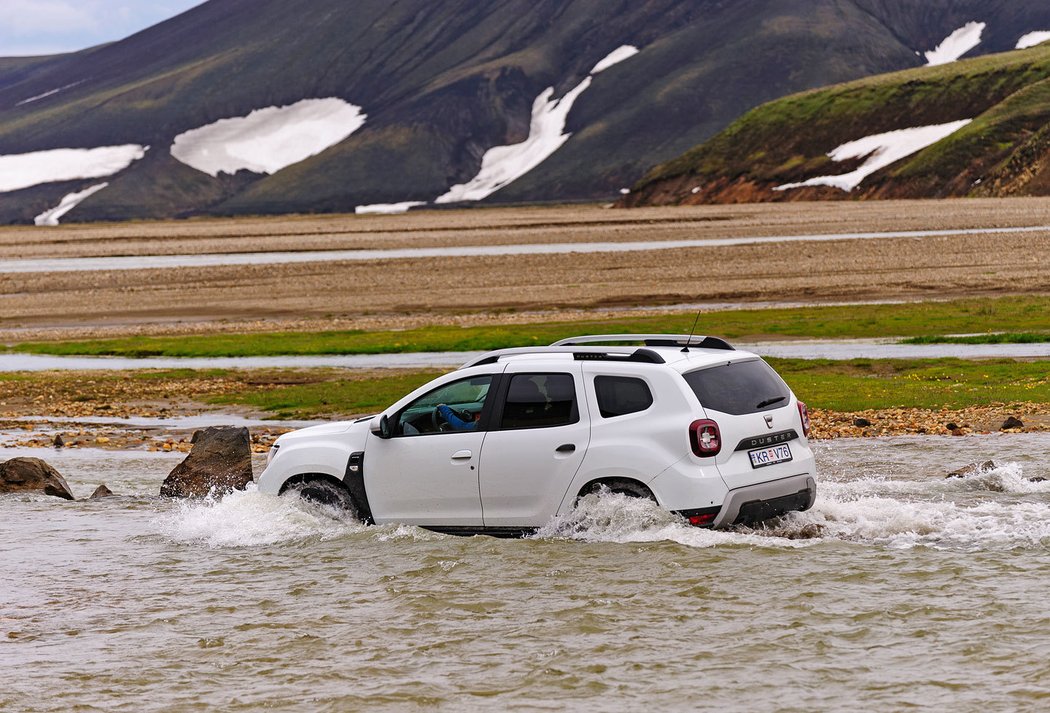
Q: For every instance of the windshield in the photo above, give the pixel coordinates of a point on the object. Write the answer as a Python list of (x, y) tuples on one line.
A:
[(739, 387)]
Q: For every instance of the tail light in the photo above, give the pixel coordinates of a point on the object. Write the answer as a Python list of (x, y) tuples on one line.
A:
[(703, 519), (705, 438), (803, 413)]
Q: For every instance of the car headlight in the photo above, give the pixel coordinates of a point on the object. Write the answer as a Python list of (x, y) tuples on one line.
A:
[(272, 453)]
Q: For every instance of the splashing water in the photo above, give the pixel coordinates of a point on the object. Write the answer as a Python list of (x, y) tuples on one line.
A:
[(876, 510), (249, 518), (612, 517)]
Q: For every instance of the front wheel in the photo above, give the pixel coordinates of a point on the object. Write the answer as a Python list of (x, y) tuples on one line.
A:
[(320, 492)]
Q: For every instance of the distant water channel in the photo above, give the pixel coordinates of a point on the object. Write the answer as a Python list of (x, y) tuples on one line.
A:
[(899, 590), (840, 349), (158, 262)]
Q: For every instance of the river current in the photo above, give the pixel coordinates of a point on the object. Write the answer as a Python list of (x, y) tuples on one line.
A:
[(899, 590)]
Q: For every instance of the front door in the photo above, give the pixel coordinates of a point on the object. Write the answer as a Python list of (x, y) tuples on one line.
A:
[(427, 474), (539, 433)]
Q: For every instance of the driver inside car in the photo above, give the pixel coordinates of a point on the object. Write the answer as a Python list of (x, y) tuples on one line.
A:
[(455, 421)]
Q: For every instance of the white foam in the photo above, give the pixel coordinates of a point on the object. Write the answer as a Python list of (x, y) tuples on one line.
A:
[(68, 203), (619, 518), (249, 518), (18, 171), (387, 208), (1032, 39), (990, 509), (502, 165), (881, 151), (956, 44), (1005, 478), (267, 140)]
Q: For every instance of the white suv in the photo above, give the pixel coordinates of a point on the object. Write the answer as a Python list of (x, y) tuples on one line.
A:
[(516, 436)]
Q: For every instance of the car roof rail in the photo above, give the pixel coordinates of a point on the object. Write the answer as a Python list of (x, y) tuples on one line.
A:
[(649, 340), (640, 355)]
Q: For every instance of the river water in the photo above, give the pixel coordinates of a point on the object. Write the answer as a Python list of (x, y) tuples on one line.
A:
[(809, 349), (900, 589)]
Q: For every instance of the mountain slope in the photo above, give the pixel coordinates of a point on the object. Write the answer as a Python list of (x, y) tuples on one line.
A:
[(443, 82), (995, 112)]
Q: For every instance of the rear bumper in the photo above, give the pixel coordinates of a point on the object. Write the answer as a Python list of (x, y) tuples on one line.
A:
[(755, 503)]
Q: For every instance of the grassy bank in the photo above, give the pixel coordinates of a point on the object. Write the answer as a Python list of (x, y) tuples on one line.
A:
[(849, 386), (901, 396), (994, 338), (1011, 314), (863, 384)]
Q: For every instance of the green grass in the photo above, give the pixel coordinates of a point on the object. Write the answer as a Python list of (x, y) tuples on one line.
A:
[(1014, 314), (328, 397), (863, 384), (848, 386), (1007, 95), (994, 338)]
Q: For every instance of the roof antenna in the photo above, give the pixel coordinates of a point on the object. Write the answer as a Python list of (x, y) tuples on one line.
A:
[(693, 330)]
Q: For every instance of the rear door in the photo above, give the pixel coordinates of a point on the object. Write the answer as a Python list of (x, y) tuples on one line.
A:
[(540, 433)]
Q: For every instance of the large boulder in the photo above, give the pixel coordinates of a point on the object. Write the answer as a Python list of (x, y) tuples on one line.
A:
[(220, 461), (32, 475)]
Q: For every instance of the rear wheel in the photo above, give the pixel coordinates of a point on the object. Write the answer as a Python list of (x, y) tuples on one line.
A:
[(620, 486)]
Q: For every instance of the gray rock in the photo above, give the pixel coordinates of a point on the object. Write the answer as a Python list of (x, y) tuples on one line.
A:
[(32, 475), (221, 461), (59, 441), (1011, 422), (101, 492), (861, 422), (972, 469)]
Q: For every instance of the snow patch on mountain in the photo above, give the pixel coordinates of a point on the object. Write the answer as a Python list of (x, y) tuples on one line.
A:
[(881, 150), (387, 208), (18, 171), (615, 57), (1032, 39), (502, 165), (68, 203), (267, 140), (47, 94), (956, 44)]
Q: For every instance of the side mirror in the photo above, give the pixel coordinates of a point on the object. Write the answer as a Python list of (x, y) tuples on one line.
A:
[(381, 427)]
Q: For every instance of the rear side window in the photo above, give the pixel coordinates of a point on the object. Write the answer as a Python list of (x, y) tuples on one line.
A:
[(621, 395), (739, 387), (540, 401)]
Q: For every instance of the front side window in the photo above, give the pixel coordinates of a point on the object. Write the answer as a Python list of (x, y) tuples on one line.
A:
[(739, 387), (621, 395), (540, 401), (456, 406)]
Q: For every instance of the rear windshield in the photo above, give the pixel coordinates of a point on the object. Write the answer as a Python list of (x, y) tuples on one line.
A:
[(739, 387)]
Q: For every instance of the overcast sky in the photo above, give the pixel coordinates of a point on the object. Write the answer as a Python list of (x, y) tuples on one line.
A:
[(31, 27)]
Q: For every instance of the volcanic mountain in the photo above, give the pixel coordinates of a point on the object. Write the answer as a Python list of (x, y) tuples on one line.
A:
[(265, 106), (978, 127)]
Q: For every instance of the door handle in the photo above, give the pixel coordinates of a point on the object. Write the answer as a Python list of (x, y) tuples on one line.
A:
[(462, 455), (566, 448)]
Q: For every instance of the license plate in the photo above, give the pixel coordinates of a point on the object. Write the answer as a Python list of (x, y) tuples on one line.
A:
[(770, 456)]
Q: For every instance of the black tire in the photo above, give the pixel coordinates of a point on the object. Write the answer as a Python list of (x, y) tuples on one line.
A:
[(630, 488), (327, 494)]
